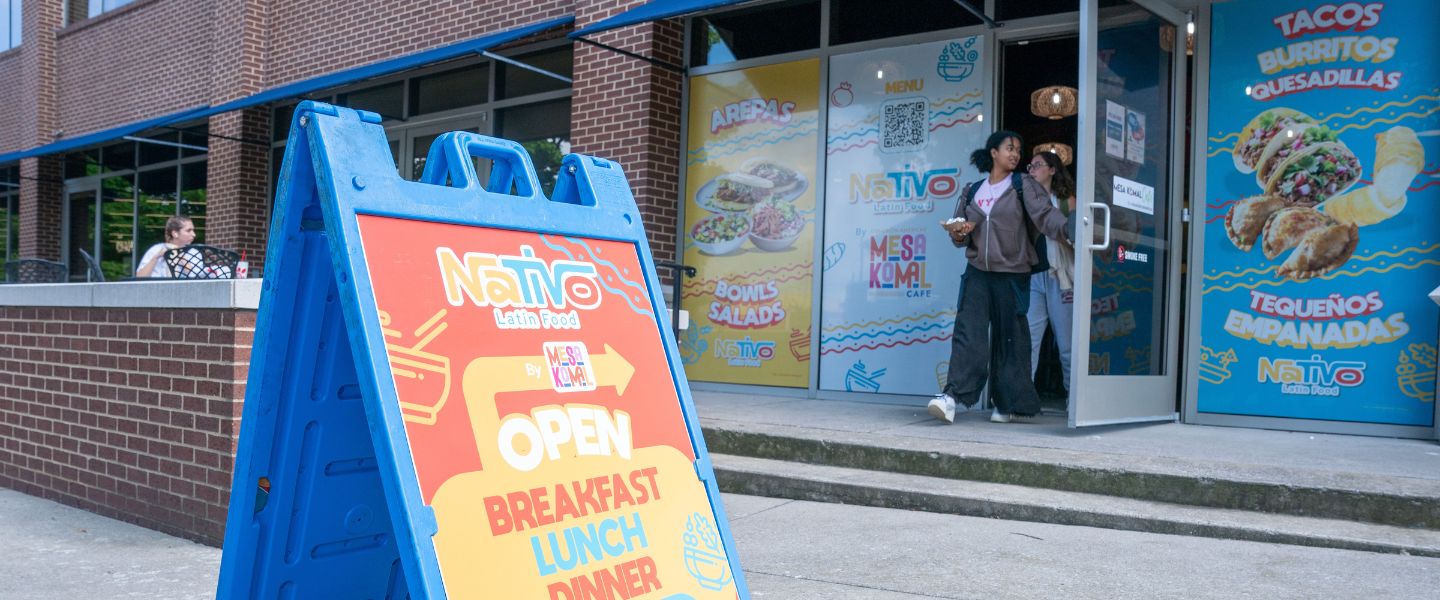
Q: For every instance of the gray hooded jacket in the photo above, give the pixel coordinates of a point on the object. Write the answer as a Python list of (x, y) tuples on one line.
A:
[(1000, 242)]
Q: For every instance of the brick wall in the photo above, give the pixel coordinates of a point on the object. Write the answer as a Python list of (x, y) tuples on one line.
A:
[(628, 110), (40, 211), (13, 95), (317, 37), (142, 60), (128, 413), (238, 185)]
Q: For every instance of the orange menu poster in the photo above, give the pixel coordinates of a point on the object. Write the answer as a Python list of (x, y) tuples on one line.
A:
[(541, 414)]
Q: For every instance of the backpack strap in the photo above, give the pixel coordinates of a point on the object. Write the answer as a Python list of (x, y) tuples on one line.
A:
[(966, 197), (1018, 182)]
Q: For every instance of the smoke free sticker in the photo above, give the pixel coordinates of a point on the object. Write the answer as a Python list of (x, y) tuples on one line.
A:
[(1133, 195)]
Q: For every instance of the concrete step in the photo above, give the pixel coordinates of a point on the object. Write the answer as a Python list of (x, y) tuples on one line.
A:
[(784, 479), (1308, 491)]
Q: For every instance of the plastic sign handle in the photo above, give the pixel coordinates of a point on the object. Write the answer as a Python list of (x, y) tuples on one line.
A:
[(1105, 244)]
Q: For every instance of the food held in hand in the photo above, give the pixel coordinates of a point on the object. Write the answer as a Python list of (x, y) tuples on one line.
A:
[(784, 179), (1258, 133), (737, 192), (1314, 174), (1399, 158), (1293, 139), (1247, 218)]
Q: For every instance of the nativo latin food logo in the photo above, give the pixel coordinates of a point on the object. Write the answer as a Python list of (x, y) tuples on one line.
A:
[(537, 291), (1311, 377), (905, 190)]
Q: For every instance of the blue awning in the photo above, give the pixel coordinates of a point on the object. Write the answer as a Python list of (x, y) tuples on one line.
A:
[(299, 88), (654, 10)]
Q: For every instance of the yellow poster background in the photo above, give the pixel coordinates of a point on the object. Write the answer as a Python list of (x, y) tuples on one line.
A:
[(749, 302)]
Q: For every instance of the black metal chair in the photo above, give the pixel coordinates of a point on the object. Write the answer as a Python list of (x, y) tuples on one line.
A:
[(198, 261), (92, 267), (36, 270)]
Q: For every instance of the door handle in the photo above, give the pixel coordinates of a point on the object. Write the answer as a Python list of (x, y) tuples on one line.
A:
[(1105, 244)]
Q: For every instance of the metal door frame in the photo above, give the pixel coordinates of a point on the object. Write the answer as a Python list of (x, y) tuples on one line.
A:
[(1081, 382)]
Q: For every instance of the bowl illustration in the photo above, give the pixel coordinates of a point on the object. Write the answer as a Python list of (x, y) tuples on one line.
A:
[(720, 234), (774, 225)]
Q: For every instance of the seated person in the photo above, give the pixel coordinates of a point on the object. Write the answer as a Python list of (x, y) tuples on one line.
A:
[(179, 231)]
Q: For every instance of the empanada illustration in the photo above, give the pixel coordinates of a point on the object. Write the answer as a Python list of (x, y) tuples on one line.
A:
[(1285, 228), (1258, 133), (1293, 139), (1314, 173), (1398, 160), (1321, 251), (1247, 217)]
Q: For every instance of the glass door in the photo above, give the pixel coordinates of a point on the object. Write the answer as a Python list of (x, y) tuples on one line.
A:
[(80, 231), (1127, 264)]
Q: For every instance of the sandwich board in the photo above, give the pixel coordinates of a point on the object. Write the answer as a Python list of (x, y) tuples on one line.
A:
[(458, 392)]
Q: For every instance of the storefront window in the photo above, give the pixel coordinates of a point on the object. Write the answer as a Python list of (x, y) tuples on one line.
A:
[(450, 90), (9, 212), (1034, 8), (763, 31), (118, 198), (118, 157), (280, 122), (9, 24), (544, 131), (117, 226), (864, 20), (386, 100), (149, 154), (518, 81)]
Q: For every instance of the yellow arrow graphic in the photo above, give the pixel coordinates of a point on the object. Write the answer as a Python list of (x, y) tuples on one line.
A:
[(488, 376)]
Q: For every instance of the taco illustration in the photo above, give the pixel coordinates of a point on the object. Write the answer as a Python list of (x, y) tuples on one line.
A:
[(737, 192), (784, 179), (1258, 133), (1313, 174), (1294, 138)]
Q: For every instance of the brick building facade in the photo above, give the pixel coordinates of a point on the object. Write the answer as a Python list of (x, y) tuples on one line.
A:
[(133, 412)]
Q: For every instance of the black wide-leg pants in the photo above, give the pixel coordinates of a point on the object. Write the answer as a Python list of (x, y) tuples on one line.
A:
[(992, 342)]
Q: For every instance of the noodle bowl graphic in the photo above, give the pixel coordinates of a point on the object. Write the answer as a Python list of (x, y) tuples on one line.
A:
[(422, 379)]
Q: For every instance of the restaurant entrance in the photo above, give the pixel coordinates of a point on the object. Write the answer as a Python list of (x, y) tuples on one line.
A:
[(1108, 333)]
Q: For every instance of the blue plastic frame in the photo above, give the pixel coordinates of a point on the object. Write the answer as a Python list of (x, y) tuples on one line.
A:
[(316, 532)]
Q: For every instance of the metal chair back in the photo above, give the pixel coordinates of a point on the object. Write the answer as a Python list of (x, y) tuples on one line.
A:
[(35, 270), (92, 267), (198, 261)]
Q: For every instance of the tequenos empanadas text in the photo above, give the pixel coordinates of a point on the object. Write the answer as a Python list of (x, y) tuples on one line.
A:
[(1263, 128), (1313, 174)]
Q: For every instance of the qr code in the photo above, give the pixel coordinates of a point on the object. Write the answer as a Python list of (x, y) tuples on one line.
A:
[(904, 126)]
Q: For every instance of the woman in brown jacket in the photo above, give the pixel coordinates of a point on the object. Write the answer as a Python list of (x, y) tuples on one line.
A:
[(1004, 215)]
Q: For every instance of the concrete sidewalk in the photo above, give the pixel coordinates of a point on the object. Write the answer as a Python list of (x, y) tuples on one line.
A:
[(1334, 491), (790, 550), (1203, 448)]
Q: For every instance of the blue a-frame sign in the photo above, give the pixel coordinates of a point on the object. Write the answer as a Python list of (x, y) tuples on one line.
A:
[(461, 393)]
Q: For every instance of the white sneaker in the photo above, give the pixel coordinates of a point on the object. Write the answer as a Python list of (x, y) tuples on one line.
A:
[(942, 407), (999, 417)]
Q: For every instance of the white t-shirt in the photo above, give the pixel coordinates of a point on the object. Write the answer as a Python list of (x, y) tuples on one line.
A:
[(157, 254), (162, 268), (989, 193)]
